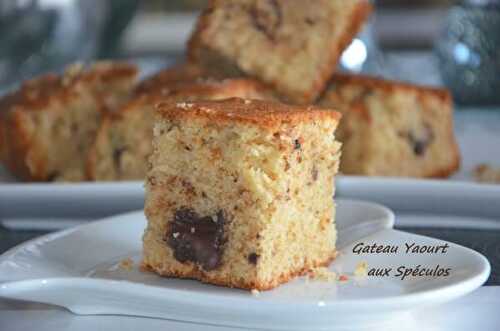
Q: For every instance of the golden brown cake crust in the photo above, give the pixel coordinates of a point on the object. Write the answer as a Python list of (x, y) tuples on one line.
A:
[(181, 73), (390, 86), (246, 111), (210, 89), (199, 89), (39, 92), (190, 80), (355, 22), (243, 87), (197, 274), (20, 151)]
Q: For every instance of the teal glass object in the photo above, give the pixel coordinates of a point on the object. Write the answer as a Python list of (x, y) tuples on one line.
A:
[(37, 36), (468, 51)]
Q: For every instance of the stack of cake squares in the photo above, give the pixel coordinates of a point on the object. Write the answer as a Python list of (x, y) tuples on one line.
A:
[(238, 145), (240, 192)]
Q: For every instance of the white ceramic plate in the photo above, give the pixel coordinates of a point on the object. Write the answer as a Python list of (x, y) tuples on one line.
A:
[(78, 269)]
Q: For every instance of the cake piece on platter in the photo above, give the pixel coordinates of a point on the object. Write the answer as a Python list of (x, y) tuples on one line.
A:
[(292, 45), (123, 142), (47, 125), (392, 128)]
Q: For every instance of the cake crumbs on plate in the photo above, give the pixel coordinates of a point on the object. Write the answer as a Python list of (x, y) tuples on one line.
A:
[(255, 292), (485, 173), (343, 278), (322, 274), (361, 269), (126, 264)]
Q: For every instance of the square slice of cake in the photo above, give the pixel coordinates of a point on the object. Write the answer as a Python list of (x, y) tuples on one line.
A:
[(123, 142), (240, 193), (392, 128), (48, 124), (293, 45)]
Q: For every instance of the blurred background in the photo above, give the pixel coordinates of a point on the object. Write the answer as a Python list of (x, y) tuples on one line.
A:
[(434, 42)]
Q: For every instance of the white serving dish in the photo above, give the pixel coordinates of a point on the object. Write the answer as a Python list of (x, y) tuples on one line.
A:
[(77, 269)]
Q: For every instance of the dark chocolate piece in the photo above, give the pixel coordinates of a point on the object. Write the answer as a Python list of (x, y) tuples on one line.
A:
[(420, 142), (252, 258), (314, 173), (117, 154), (52, 176), (309, 21), (197, 239), (297, 144), (74, 128), (267, 17)]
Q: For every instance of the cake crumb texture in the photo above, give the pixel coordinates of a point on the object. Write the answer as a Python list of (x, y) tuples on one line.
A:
[(126, 264)]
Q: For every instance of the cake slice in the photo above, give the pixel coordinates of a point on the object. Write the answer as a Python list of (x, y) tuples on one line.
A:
[(123, 142), (48, 124), (293, 45), (393, 129), (239, 193)]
